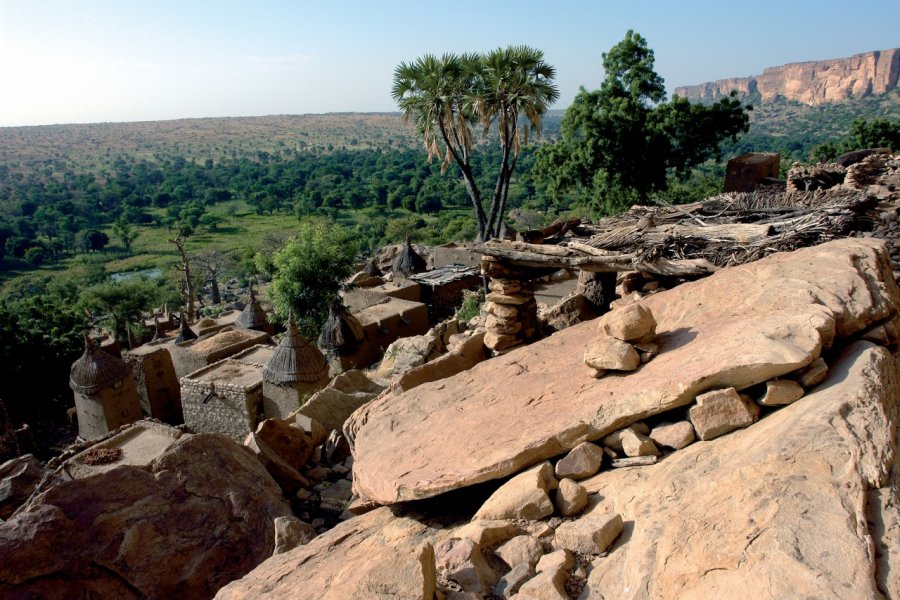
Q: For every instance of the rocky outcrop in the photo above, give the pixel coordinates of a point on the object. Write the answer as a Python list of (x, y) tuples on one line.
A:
[(377, 556), (812, 83), (199, 516), (740, 327), (782, 509)]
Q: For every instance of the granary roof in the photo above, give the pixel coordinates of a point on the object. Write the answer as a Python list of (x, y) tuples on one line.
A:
[(253, 316), (341, 330), (295, 359), (95, 369), (408, 261), (372, 269), (444, 275), (186, 334)]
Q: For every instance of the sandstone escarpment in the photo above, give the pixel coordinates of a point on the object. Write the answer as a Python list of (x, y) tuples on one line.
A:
[(812, 83)]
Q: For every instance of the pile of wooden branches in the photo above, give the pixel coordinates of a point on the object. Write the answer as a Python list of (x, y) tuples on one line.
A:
[(694, 240), (732, 229)]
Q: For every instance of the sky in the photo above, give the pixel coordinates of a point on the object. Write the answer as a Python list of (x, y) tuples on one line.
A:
[(85, 61)]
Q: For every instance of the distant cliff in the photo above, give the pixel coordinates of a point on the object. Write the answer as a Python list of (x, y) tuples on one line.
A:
[(813, 83)]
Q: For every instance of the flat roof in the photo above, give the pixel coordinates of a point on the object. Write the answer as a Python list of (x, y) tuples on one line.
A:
[(230, 371), (393, 307)]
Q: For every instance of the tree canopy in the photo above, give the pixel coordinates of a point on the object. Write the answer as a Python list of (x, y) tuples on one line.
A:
[(307, 272), (624, 141), (446, 97)]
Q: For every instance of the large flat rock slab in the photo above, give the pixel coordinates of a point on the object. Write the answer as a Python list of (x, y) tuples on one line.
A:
[(781, 509), (375, 556), (737, 328)]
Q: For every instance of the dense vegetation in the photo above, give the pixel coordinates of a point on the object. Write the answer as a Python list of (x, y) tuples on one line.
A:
[(624, 142)]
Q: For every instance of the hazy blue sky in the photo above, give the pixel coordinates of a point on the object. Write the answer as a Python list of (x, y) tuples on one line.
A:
[(121, 60)]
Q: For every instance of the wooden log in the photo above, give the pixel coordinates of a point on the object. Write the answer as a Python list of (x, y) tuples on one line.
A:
[(599, 264)]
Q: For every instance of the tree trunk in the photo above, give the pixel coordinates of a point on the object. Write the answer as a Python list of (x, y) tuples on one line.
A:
[(185, 269), (214, 284)]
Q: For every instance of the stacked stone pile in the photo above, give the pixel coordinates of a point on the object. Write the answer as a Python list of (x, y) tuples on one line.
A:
[(627, 340), (510, 306)]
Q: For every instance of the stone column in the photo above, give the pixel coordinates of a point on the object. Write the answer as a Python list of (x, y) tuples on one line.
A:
[(510, 304), (597, 288)]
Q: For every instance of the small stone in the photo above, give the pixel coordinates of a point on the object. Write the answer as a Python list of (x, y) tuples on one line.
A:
[(614, 440), (511, 582), (673, 435), (513, 299), (721, 411), (318, 473), (591, 534), (460, 560), (501, 311), (558, 560), (814, 374), (522, 497), (291, 532), (505, 286), (571, 498), (545, 586), (630, 322), (485, 532), (340, 470), (497, 341), (582, 461), (503, 326), (630, 297), (612, 354), (521, 549), (780, 392), (636, 444)]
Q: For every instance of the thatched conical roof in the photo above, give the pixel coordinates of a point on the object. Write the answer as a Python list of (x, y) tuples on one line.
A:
[(408, 261), (186, 334), (372, 269), (95, 369), (295, 359), (341, 331), (253, 316)]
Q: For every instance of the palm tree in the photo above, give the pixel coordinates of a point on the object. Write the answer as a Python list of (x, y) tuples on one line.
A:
[(432, 92), (447, 96), (515, 82)]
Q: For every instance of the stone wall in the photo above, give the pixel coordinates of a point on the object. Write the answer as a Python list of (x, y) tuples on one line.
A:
[(157, 384), (232, 410)]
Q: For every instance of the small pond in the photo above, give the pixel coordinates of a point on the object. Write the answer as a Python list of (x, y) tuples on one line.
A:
[(154, 273)]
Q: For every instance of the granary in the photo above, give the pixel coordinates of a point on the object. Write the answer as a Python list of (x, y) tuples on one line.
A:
[(358, 340), (442, 288), (296, 370), (157, 384), (408, 262), (185, 333), (105, 394), (253, 316), (227, 396), (194, 354)]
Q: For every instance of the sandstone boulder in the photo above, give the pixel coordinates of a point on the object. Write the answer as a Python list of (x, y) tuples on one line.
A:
[(673, 435), (286, 475), (522, 497), (377, 555), (460, 560), (780, 392), (333, 404), (720, 411), (582, 461), (737, 328), (630, 322), (814, 374), (782, 509), (196, 518), (521, 549), (637, 444), (608, 353), (510, 583), (18, 479), (591, 534), (290, 443), (571, 498), (466, 355), (291, 532)]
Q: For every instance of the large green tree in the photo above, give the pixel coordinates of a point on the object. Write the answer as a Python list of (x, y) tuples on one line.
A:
[(623, 142), (447, 96), (307, 272)]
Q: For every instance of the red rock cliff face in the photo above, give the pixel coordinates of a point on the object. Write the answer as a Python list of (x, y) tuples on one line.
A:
[(813, 83)]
